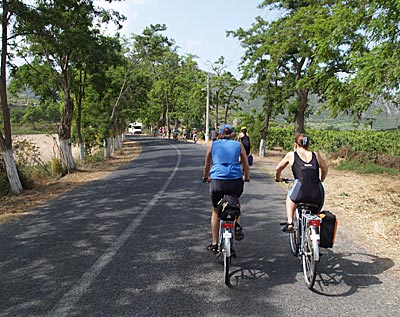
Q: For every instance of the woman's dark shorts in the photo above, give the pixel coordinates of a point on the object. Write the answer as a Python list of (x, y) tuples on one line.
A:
[(307, 193), (219, 188)]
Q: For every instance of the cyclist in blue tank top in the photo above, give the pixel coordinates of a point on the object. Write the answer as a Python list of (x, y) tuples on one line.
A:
[(223, 171), (306, 168)]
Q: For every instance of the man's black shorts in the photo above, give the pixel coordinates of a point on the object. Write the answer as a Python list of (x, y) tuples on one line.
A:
[(219, 188)]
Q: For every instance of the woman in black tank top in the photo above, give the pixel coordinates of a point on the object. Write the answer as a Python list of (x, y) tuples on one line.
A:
[(306, 167)]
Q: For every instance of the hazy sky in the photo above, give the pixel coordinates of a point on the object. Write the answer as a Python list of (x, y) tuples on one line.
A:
[(197, 26)]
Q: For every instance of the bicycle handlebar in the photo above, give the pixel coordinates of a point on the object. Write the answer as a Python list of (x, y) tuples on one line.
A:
[(285, 180), (205, 180)]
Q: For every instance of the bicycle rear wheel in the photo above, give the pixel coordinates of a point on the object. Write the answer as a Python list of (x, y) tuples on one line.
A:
[(227, 259), (294, 237), (308, 261)]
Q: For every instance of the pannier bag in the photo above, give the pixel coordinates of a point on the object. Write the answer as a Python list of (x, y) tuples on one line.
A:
[(250, 159), (327, 231), (229, 208)]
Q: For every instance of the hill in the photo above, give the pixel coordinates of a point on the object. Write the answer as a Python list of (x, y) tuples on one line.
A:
[(382, 115)]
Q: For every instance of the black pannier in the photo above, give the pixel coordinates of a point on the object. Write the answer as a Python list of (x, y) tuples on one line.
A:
[(229, 208), (327, 231)]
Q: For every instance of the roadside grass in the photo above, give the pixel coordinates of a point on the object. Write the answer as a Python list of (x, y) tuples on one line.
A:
[(366, 168), (34, 175)]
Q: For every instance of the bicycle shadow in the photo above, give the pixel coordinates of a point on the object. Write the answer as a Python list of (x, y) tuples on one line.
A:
[(348, 272), (249, 271), (338, 274)]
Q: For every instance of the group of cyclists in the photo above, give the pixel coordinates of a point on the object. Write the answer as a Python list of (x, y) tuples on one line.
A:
[(164, 132), (226, 168)]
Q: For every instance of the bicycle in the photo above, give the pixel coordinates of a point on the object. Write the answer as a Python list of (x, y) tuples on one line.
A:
[(304, 239), (227, 226), (228, 213)]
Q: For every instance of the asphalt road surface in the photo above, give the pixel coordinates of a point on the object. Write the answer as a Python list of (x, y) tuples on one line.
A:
[(134, 244)]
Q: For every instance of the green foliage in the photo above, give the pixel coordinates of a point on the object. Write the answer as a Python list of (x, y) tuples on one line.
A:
[(4, 183), (366, 168), (56, 167), (27, 157), (328, 141)]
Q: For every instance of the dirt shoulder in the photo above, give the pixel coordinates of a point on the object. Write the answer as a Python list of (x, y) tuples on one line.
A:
[(367, 207), (15, 206)]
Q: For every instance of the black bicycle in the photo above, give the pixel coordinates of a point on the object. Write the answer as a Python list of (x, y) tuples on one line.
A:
[(304, 239)]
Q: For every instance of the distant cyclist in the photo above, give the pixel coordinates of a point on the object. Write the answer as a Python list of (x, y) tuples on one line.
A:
[(223, 171), (176, 132), (184, 133), (244, 138), (306, 166), (213, 134), (194, 133)]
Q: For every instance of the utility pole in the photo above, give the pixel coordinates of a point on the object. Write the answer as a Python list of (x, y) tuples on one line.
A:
[(207, 109)]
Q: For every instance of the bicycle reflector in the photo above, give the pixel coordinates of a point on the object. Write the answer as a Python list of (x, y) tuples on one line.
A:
[(228, 225), (314, 222)]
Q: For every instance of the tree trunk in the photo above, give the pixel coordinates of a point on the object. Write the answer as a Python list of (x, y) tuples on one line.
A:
[(6, 140), (64, 130), (12, 173), (301, 109), (107, 152), (216, 110), (264, 131), (261, 151), (226, 113), (67, 159), (167, 117), (82, 151), (78, 100)]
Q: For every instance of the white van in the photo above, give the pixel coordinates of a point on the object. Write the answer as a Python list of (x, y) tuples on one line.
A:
[(135, 128)]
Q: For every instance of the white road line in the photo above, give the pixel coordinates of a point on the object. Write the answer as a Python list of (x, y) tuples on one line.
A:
[(74, 295)]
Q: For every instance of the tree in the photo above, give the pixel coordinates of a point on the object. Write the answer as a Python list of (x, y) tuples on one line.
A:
[(158, 54), (224, 92), (372, 39), (297, 54), (108, 54), (10, 9), (56, 36)]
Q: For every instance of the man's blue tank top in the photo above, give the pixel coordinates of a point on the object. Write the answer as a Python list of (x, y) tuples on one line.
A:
[(225, 156)]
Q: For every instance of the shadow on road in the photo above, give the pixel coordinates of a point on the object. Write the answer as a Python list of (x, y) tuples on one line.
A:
[(350, 271)]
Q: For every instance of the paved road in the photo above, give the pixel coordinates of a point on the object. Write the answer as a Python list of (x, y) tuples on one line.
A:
[(133, 244)]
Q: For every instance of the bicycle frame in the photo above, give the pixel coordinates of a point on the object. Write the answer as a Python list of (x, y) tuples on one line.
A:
[(225, 245), (310, 222), (226, 232), (309, 242), (304, 239)]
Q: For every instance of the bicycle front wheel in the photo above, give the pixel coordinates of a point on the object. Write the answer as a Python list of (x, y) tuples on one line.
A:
[(294, 237), (227, 259), (308, 260)]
